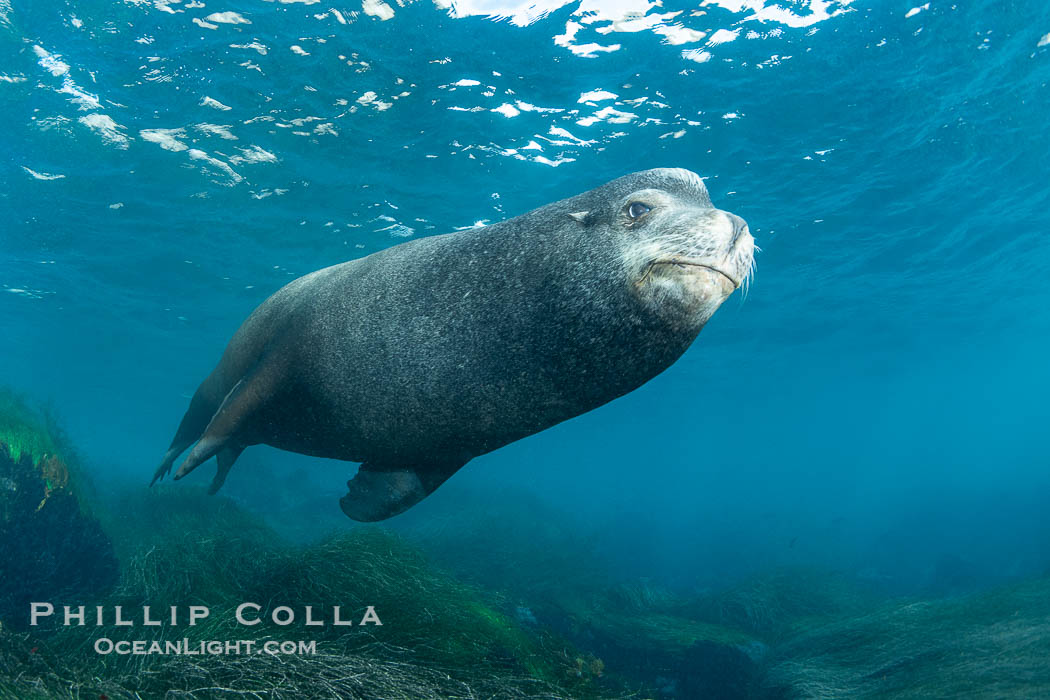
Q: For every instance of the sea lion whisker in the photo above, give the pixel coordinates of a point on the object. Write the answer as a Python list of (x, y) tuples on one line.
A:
[(647, 273)]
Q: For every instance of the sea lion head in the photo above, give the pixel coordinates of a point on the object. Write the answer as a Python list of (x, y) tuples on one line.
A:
[(679, 256)]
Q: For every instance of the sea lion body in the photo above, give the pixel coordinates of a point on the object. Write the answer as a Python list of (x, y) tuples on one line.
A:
[(420, 357)]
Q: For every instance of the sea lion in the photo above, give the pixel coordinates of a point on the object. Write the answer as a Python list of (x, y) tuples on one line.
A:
[(418, 358)]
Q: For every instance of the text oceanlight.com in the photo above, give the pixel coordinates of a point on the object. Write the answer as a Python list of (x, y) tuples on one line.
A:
[(184, 647)]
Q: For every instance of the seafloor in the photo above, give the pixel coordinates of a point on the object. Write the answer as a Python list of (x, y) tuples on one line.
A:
[(538, 617)]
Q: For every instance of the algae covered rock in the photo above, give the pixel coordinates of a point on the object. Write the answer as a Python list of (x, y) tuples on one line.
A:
[(51, 547), (651, 636)]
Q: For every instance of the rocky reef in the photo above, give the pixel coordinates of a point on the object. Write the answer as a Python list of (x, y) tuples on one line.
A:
[(52, 546)]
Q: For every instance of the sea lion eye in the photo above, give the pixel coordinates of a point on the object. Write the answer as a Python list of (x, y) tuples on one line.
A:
[(637, 209)]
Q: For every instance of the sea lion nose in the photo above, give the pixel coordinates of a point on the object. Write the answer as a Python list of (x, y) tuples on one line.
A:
[(739, 227)]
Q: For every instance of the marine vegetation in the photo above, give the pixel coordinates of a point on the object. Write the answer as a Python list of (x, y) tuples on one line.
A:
[(50, 543), (439, 638), (780, 634), (514, 601), (993, 644), (673, 644)]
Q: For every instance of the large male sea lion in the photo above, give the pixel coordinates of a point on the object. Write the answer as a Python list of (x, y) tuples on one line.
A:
[(420, 357)]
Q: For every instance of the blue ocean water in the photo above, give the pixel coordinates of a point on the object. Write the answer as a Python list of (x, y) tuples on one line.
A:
[(876, 402)]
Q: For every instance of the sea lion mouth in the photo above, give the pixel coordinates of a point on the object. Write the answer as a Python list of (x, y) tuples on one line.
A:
[(685, 262)]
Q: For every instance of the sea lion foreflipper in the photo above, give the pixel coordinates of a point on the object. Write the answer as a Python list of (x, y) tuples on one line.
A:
[(377, 494), (226, 457)]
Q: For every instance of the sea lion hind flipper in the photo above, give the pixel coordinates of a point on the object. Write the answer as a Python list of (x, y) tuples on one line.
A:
[(377, 494), (191, 427), (226, 457), (231, 419), (165, 464)]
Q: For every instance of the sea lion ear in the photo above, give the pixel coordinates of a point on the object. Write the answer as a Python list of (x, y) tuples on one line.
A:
[(582, 217)]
